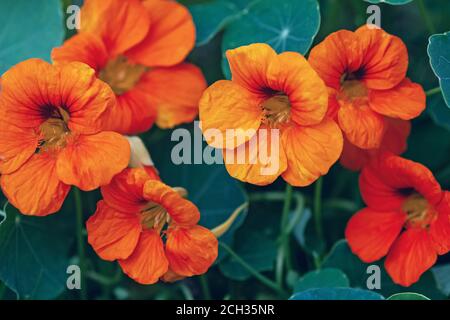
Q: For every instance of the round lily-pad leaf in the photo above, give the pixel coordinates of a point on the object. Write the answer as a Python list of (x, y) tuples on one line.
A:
[(336, 294), (439, 53), (30, 29), (324, 278), (408, 296), (34, 253), (393, 2), (290, 25)]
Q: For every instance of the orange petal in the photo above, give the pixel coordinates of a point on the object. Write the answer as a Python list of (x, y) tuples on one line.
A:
[(174, 93), (231, 110), (405, 101), (440, 228), (191, 251), (35, 188), (182, 211), (311, 151), (148, 262), (134, 111), (410, 256), (126, 190), (394, 140), (362, 127), (83, 47), (291, 74), (385, 58), (113, 234), (171, 276), (120, 24), (249, 66), (17, 145), (170, 38), (27, 89), (260, 160), (371, 233), (86, 98), (89, 162), (338, 54)]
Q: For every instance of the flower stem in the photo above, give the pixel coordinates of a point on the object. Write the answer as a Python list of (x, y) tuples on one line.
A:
[(263, 279), (433, 91), (318, 207), (80, 242), (283, 249), (205, 287), (426, 17)]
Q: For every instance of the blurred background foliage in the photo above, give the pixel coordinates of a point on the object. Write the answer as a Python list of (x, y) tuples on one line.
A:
[(263, 256)]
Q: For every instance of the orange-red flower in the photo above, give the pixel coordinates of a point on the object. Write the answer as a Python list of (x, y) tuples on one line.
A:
[(52, 134), (271, 91), (138, 48), (407, 218), (150, 229), (365, 72)]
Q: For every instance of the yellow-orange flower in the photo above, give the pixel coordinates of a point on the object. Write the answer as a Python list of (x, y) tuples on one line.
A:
[(272, 91), (138, 48), (365, 72), (52, 134), (150, 229)]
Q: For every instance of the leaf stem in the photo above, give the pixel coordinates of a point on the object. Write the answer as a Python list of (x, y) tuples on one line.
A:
[(426, 17), (80, 242), (433, 91), (263, 279), (205, 287), (318, 207), (283, 248)]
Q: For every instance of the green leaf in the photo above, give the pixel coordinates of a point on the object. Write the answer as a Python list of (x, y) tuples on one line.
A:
[(209, 187), (336, 294), (290, 25), (34, 253), (258, 250), (342, 258), (439, 111), (442, 275), (323, 278), (408, 296), (30, 29), (211, 17), (439, 53), (393, 2)]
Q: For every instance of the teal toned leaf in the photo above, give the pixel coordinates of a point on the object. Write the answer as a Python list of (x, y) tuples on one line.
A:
[(210, 187), (258, 250), (211, 17), (323, 278), (34, 253), (442, 275), (30, 29), (439, 111), (393, 2), (439, 53), (336, 294), (408, 296), (290, 25), (342, 258)]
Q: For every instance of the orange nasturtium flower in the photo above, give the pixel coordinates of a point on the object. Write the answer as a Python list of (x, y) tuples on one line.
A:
[(52, 134), (138, 48), (407, 218), (150, 229), (271, 91), (370, 96)]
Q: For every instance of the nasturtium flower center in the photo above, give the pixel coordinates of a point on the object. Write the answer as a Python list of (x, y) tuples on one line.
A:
[(276, 110), (54, 131), (420, 212), (121, 74), (353, 91), (155, 216)]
